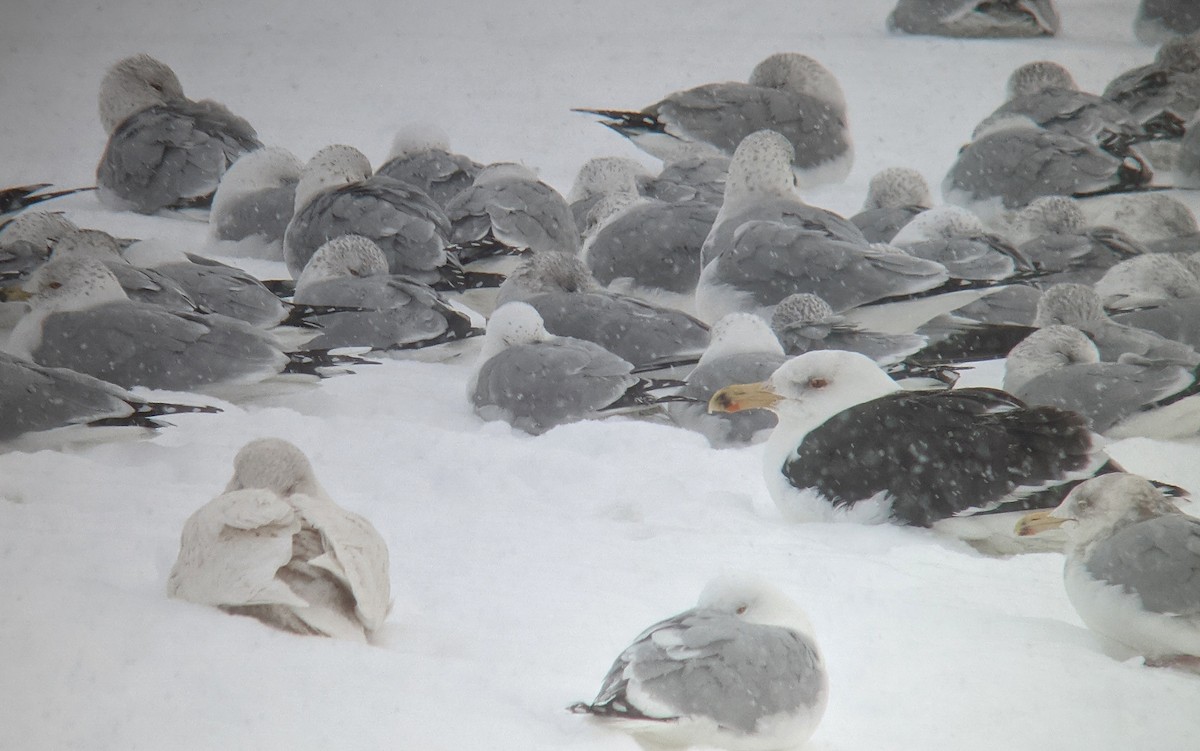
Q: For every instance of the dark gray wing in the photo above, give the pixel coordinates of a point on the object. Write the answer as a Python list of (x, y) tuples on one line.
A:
[(152, 286), (699, 177), (710, 664), (655, 244), (227, 290), (1077, 258), (520, 213), (135, 344), (1154, 92), (441, 174), (1177, 320), (1157, 559), (264, 213), (34, 398), (406, 224), (940, 454), (164, 155), (784, 211), (1074, 113)]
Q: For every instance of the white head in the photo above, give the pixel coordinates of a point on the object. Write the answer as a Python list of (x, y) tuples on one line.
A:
[(72, 283), (36, 229), (761, 168), (740, 333), (419, 138), (1147, 279), (546, 272), (154, 252), (276, 465), (1071, 304), (940, 223), (1033, 77), (134, 84), (606, 175), (511, 325), (331, 167), (753, 600), (605, 210), (345, 256), (501, 172), (1045, 351), (801, 309), (261, 169), (89, 243), (792, 71), (896, 187), (1050, 215), (1100, 506)]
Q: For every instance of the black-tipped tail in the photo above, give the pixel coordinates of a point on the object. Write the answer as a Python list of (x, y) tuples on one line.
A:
[(281, 287), (145, 413), (488, 246), (322, 362), (20, 197)]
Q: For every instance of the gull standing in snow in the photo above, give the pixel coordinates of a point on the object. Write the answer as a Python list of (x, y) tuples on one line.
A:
[(1132, 566), (274, 546), (1014, 162), (164, 150), (1058, 366), (571, 303), (377, 309), (338, 195), (894, 196), (975, 18), (740, 671), (535, 381), (742, 349), (421, 156), (257, 198), (789, 93), (508, 208), (81, 319), (852, 446)]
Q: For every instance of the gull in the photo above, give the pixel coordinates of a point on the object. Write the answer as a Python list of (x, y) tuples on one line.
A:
[(975, 18), (421, 156), (894, 196), (256, 198)]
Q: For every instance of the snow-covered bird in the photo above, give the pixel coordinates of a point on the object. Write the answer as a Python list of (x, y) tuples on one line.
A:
[(274, 546), (894, 196), (256, 199), (164, 150), (1132, 566), (740, 671), (986, 19), (421, 156), (787, 92)]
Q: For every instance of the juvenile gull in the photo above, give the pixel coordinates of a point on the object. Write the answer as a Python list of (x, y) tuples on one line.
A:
[(338, 195), (789, 93), (81, 319), (852, 446), (421, 156), (894, 196), (739, 671), (571, 304), (164, 150), (1132, 567), (535, 381), (256, 198), (274, 546), (742, 349), (35, 398), (975, 18), (378, 310), (1059, 366), (507, 208)]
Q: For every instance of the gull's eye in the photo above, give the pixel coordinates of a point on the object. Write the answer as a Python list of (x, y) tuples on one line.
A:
[(741, 610), (817, 382), (54, 285)]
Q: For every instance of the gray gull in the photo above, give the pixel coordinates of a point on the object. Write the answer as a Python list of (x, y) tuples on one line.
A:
[(985, 19), (894, 196), (421, 156), (257, 198)]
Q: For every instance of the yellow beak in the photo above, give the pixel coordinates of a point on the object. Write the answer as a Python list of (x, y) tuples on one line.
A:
[(13, 294), (743, 396), (1038, 521)]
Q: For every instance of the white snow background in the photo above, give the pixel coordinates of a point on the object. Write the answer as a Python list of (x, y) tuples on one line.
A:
[(521, 566)]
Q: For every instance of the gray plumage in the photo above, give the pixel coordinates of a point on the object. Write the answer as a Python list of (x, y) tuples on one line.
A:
[(695, 177), (957, 239), (975, 18), (1160, 20), (1166, 90), (1063, 248), (165, 150), (510, 203), (653, 244), (1177, 320), (140, 284), (257, 196), (1015, 164), (441, 173), (804, 322), (1157, 559), (894, 197)]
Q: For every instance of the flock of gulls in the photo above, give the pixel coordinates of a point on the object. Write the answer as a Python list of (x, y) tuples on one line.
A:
[(709, 294)]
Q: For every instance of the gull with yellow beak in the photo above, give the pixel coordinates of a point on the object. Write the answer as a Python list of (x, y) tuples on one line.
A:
[(851, 445), (1133, 566)]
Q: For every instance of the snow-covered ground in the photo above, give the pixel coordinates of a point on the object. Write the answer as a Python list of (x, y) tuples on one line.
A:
[(520, 565)]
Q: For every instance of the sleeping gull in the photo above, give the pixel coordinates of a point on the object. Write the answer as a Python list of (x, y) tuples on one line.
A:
[(535, 381), (421, 156), (1160, 20), (957, 239), (787, 92), (378, 310), (1165, 93), (26, 241), (975, 18), (572, 304), (1132, 567), (852, 446), (274, 546), (140, 284), (164, 150), (35, 398), (1058, 366), (81, 319), (1173, 319), (1055, 237), (894, 196), (338, 195), (508, 208), (1159, 221), (599, 178), (256, 199), (1015, 161), (739, 671), (693, 177), (803, 322), (760, 187), (742, 349), (1148, 279)]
